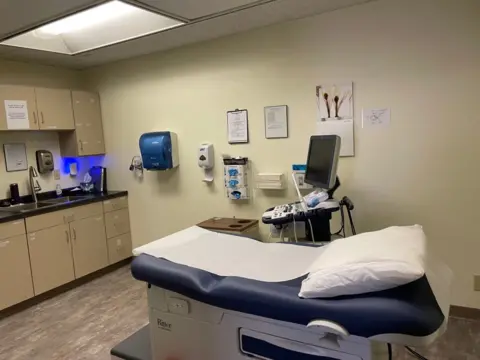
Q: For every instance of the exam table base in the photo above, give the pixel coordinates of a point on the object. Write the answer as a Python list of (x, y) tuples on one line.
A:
[(184, 329)]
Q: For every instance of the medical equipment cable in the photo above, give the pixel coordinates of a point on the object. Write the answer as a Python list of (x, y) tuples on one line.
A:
[(414, 353), (342, 223), (311, 231), (389, 346), (295, 229), (352, 225)]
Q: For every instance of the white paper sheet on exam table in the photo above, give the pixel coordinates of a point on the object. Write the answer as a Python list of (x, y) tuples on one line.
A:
[(230, 255)]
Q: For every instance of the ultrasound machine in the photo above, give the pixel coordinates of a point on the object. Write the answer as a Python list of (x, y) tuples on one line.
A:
[(317, 207)]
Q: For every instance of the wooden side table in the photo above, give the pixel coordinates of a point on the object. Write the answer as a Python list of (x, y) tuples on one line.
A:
[(243, 227)]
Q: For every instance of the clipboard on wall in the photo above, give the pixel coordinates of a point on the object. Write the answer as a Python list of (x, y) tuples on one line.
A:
[(237, 126)]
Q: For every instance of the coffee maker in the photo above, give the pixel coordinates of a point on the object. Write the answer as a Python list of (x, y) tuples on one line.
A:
[(99, 178)]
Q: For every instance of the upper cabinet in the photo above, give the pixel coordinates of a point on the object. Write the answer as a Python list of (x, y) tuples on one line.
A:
[(28, 108), (19, 108), (88, 136), (55, 109)]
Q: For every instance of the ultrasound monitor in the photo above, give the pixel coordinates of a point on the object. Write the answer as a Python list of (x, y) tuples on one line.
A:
[(322, 161)]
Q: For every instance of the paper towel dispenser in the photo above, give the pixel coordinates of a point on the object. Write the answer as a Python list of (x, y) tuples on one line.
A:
[(159, 150)]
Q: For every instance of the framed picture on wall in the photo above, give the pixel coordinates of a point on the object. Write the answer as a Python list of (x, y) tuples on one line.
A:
[(276, 122), (15, 157)]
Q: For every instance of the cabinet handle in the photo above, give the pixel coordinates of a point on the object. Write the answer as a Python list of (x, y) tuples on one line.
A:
[(66, 234), (41, 114), (64, 220), (74, 234), (81, 145), (4, 244), (34, 117)]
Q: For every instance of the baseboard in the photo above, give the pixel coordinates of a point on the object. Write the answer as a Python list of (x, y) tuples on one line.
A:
[(61, 289), (464, 312)]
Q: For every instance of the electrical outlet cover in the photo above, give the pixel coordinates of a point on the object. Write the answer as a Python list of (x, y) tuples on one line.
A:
[(56, 174)]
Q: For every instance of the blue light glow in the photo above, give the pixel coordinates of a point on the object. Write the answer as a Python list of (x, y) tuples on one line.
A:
[(84, 163)]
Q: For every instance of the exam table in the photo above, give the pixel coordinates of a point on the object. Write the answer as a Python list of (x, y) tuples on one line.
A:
[(214, 296)]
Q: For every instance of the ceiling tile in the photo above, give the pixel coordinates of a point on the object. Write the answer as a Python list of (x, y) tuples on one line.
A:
[(191, 9)]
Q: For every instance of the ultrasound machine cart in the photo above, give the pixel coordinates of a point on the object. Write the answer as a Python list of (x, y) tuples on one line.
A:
[(321, 172)]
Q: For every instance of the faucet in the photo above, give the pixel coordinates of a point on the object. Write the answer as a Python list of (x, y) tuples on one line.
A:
[(34, 185)]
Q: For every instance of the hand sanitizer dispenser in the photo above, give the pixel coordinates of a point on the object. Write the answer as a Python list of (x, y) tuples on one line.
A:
[(205, 156), (159, 150)]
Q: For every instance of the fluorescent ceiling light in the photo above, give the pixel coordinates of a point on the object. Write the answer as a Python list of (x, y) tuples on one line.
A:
[(102, 25), (87, 18)]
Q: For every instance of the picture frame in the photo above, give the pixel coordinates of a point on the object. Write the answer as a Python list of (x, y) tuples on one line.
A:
[(15, 157), (276, 122), (237, 126)]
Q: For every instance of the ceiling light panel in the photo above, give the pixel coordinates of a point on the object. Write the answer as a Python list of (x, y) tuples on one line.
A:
[(105, 24)]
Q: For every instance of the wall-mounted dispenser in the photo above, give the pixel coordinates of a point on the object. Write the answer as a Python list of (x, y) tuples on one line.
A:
[(44, 161), (159, 150), (235, 172), (206, 161)]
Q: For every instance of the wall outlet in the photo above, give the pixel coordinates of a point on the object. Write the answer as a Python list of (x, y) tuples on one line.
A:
[(56, 174), (476, 282)]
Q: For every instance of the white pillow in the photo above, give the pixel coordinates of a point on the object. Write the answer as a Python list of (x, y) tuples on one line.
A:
[(367, 262)]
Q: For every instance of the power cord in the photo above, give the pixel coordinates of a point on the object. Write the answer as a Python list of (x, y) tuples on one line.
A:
[(415, 354), (390, 356)]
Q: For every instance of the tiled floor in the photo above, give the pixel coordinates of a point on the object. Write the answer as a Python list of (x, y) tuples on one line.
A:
[(86, 322)]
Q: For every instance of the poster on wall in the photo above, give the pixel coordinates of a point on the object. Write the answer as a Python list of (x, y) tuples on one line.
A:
[(17, 114), (335, 113), (376, 118)]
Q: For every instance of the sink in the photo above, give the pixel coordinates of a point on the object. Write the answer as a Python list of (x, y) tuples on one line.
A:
[(20, 208), (62, 200)]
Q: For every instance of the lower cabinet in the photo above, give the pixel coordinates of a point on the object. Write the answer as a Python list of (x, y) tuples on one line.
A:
[(89, 245), (119, 248), (50, 258), (15, 275), (46, 251)]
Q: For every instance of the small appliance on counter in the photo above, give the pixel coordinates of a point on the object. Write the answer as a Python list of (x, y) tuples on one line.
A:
[(44, 161), (14, 194), (99, 178)]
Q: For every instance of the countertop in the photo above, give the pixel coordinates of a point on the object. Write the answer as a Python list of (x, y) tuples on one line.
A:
[(86, 199)]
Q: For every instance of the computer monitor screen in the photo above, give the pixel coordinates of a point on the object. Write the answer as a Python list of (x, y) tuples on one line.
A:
[(322, 161)]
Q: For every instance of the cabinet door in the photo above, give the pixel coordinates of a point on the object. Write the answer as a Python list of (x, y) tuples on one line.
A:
[(15, 275), (89, 245), (50, 258), (55, 109), (117, 223), (119, 248), (18, 93), (88, 123)]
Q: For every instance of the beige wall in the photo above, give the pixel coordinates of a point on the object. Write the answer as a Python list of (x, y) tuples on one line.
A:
[(418, 57), (18, 73)]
